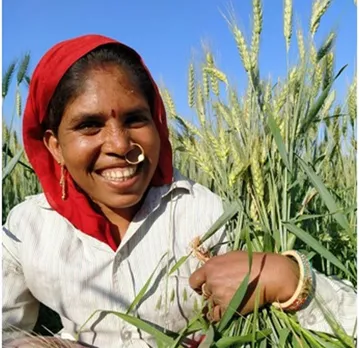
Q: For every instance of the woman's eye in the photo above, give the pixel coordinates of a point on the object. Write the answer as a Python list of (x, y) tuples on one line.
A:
[(137, 120), (89, 127)]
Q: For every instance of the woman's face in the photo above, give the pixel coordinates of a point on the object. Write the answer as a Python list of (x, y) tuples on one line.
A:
[(97, 129)]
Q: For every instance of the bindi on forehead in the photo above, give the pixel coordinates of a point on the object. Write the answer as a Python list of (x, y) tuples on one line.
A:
[(113, 113)]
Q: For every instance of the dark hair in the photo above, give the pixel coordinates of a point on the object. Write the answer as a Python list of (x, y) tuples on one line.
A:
[(71, 84)]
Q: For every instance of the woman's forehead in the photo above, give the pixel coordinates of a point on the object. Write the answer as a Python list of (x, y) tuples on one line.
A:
[(104, 83), (105, 93)]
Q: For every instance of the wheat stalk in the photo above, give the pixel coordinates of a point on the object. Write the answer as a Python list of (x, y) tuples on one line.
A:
[(329, 101), (242, 48), (318, 10), (257, 176), (328, 69), (256, 32), (216, 73), (288, 17), (301, 46), (191, 85), (326, 47), (22, 71), (352, 102), (169, 103), (200, 107), (205, 83), (212, 77), (18, 102), (267, 97), (7, 77), (317, 79)]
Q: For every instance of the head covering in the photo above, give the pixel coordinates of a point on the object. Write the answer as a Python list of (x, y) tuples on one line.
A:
[(47, 75)]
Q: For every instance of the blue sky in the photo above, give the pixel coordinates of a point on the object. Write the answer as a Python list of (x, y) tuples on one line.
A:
[(168, 33)]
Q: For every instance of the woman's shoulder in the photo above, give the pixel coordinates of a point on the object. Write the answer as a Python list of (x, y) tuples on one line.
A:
[(197, 189), (25, 223), (32, 210), (197, 211), (199, 196), (33, 202)]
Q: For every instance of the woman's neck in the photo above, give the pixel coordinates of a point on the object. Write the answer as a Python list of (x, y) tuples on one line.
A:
[(120, 218)]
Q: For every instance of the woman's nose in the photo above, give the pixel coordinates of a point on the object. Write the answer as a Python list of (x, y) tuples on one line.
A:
[(116, 141)]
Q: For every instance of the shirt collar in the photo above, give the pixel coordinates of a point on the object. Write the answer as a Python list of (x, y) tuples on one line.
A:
[(179, 182)]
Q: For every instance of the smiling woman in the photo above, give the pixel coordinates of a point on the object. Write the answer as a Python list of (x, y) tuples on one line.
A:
[(96, 135), (90, 133)]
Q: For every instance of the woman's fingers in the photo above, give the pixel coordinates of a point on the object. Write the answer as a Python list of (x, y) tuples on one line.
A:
[(197, 279), (214, 313)]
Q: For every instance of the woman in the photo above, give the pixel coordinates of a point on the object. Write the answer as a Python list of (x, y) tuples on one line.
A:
[(113, 209)]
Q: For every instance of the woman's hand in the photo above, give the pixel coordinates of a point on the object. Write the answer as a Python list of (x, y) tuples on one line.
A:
[(41, 342), (276, 276)]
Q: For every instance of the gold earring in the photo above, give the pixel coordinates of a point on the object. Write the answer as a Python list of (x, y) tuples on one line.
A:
[(63, 182)]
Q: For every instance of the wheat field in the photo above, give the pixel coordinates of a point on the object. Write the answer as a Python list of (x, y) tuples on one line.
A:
[(283, 153)]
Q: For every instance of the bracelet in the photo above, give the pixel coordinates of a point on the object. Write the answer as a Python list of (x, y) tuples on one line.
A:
[(305, 284)]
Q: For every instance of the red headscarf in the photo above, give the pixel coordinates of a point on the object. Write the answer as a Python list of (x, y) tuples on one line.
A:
[(48, 73)]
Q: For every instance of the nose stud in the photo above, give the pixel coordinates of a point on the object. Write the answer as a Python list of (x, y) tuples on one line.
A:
[(135, 155)]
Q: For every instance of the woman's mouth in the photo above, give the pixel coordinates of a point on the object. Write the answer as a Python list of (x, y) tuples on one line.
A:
[(119, 174)]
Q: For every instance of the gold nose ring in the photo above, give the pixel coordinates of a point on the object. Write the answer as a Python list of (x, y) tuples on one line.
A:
[(136, 155)]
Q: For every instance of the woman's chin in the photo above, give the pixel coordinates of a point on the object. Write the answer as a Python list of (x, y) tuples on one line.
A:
[(117, 204)]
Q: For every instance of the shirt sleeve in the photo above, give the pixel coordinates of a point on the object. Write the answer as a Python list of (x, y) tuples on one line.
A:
[(334, 297), (19, 307)]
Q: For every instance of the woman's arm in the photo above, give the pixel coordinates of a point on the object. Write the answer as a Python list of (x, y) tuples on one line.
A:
[(278, 280), (19, 308)]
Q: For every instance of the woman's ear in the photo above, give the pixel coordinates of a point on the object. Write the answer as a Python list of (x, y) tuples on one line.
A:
[(52, 144)]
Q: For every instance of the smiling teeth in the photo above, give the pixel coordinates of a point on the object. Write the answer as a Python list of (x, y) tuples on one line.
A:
[(119, 174)]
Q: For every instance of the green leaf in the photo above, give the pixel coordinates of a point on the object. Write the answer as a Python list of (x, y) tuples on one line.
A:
[(278, 140), (234, 303), (335, 326), (340, 71), (312, 113), (11, 165), (314, 244), (241, 291), (255, 315), (228, 213), (142, 292), (238, 340), (326, 196), (140, 324), (304, 217), (145, 326), (178, 264), (283, 336), (193, 326)]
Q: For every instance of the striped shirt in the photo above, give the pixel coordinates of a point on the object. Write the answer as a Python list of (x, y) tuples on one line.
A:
[(46, 259)]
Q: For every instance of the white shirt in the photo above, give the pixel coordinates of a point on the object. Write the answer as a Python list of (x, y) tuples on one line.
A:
[(46, 259)]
